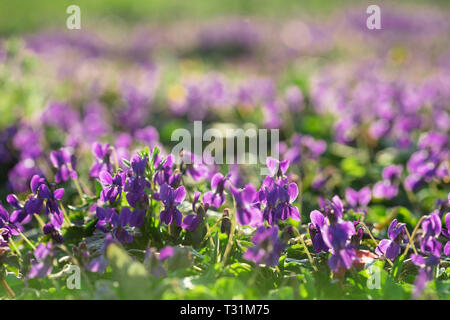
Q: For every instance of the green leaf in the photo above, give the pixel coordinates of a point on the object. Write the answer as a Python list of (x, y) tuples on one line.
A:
[(126, 163), (134, 281), (406, 216), (239, 268), (397, 268), (352, 167)]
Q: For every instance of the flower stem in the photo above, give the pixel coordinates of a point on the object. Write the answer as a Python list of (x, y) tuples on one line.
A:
[(13, 244), (252, 280), (77, 185), (39, 220), (208, 232), (230, 240), (116, 159), (80, 192), (410, 242), (300, 195), (375, 241), (86, 188), (8, 289), (214, 225), (310, 258), (411, 197), (66, 217), (411, 239), (26, 239), (307, 253), (197, 269)]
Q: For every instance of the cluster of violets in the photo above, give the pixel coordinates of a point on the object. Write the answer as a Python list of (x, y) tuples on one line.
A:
[(430, 248), (406, 117), (261, 209)]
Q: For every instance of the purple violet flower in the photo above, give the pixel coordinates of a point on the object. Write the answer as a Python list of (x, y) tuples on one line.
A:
[(65, 163), (43, 193), (193, 165), (432, 228), (216, 197), (446, 233), (104, 217), (384, 190), (425, 272), (192, 221), (392, 173), (120, 222), (268, 195), (246, 209), (20, 215), (103, 162), (136, 183), (277, 168), (7, 224), (267, 248), (315, 231), (288, 194), (126, 218), (391, 248), (336, 236), (42, 264), (112, 187), (171, 198), (166, 253), (358, 199), (165, 172), (53, 232)]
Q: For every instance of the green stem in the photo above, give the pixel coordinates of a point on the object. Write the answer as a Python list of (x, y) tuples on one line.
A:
[(8, 289), (375, 241), (66, 217), (116, 160), (307, 253), (39, 220), (230, 239), (214, 225), (26, 239), (13, 244), (310, 258), (208, 232), (411, 239), (77, 185)]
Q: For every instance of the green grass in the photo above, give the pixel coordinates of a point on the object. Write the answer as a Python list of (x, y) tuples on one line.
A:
[(31, 15)]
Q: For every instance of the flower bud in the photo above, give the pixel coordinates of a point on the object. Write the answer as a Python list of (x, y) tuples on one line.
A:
[(226, 222)]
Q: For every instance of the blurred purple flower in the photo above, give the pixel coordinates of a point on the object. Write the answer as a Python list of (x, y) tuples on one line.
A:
[(216, 197), (358, 198), (103, 159), (65, 163), (42, 264), (246, 209), (166, 253), (267, 247)]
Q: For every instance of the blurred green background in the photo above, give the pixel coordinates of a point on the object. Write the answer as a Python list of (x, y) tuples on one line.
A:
[(30, 15)]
